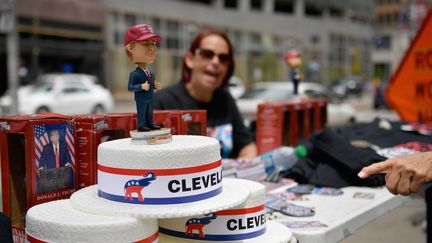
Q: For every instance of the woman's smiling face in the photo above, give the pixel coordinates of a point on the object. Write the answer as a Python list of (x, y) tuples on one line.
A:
[(209, 63)]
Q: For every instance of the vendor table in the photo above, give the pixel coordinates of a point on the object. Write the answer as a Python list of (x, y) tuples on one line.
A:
[(339, 215)]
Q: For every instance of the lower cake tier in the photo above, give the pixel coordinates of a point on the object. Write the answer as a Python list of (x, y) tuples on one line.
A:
[(57, 221), (275, 233), (245, 222)]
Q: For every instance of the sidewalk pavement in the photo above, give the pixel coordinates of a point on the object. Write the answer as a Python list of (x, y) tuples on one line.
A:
[(401, 225)]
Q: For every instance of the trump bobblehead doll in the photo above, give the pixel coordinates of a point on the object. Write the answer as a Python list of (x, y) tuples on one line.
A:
[(140, 46), (293, 59)]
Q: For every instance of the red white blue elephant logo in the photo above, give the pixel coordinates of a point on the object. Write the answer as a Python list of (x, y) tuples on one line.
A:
[(198, 224), (136, 186)]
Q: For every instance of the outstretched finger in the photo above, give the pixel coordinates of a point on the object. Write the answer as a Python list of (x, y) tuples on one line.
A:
[(380, 167)]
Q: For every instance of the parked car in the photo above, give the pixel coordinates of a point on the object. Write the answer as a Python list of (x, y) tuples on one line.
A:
[(236, 87), (347, 87), (61, 93), (338, 114)]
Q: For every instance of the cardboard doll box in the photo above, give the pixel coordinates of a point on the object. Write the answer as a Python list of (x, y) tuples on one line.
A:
[(323, 113), (302, 111), (188, 122), (123, 120), (271, 121), (31, 173), (93, 129), (161, 118), (182, 122)]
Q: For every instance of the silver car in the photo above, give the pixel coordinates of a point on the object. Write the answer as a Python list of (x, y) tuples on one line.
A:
[(337, 115), (61, 93), (236, 87)]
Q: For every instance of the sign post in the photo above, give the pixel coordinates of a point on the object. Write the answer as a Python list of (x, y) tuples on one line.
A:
[(410, 89), (8, 26)]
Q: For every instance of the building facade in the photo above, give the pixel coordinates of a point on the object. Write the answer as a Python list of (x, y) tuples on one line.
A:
[(56, 36), (335, 37), (395, 25)]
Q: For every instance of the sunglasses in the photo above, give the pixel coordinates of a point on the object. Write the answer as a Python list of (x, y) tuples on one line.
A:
[(209, 54)]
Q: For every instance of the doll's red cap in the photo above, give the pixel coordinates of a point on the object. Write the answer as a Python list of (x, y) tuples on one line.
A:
[(140, 32), (290, 54)]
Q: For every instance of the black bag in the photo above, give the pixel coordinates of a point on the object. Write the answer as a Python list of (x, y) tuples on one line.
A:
[(332, 161)]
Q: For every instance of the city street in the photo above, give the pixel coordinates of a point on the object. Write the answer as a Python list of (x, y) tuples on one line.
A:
[(365, 112)]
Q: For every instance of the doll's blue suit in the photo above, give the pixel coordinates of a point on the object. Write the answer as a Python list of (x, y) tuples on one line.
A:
[(295, 80), (143, 98)]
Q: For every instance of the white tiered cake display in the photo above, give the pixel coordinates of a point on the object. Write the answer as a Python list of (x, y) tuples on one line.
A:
[(243, 223), (140, 183)]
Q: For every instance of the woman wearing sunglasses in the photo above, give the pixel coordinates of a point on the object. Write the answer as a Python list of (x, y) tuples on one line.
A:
[(207, 67)]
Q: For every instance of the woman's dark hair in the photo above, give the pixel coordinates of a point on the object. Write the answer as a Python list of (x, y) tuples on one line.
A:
[(196, 43)]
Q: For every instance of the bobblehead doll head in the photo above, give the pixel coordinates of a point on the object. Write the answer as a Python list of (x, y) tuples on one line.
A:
[(293, 59), (140, 44), (142, 52)]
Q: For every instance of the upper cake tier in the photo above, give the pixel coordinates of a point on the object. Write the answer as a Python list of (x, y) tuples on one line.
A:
[(188, 169), (182, 151)]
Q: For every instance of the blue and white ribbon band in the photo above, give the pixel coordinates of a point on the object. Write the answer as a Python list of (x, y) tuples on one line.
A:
[(226, 225), (160, 186)]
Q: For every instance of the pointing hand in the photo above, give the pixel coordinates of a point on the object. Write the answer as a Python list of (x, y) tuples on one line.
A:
[(404, 175)]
